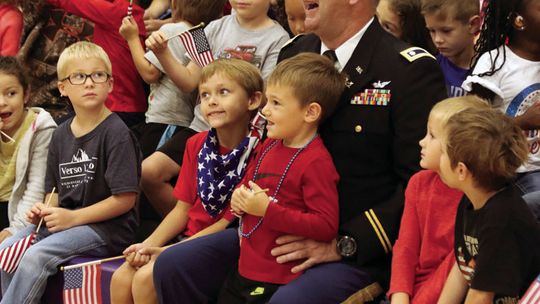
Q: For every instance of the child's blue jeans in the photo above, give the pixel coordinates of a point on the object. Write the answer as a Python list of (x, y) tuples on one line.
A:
[(27, 284)]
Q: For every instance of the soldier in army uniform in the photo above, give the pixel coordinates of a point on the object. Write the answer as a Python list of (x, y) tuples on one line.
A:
[(373, 137)]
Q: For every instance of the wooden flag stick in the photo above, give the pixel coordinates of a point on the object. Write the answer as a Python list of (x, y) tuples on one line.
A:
[(7, 136), (46, 205), (62, 268)]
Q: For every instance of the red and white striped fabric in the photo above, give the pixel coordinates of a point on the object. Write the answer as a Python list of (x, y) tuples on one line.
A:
[(197, 46), (12, 255), (82, 285), (532, 296)]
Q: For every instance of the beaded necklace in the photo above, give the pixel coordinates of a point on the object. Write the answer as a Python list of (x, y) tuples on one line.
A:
[(273, 198)]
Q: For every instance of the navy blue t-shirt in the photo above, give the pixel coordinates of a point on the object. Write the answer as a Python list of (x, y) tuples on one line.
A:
[(453, 76), (88, 169)]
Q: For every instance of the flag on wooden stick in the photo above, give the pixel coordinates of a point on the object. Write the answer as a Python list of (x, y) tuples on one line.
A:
[(82, 284), (197, 46)]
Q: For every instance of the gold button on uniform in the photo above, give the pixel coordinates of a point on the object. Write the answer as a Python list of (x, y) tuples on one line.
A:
[(358, 128)]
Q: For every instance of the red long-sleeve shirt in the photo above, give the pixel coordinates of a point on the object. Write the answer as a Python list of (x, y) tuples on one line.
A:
[(307, 206), (423, 253), (11, 26), (128, 93)]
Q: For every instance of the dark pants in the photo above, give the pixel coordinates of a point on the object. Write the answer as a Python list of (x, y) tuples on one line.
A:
[(240, 290), (194, 271)]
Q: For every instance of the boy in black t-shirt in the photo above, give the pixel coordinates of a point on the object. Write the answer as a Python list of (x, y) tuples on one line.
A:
[(94, 163), (497, 240)]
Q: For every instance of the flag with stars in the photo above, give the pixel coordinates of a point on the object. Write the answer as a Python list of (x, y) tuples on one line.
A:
[(218, 174), (82, 285), (197, 46), (12, 255)]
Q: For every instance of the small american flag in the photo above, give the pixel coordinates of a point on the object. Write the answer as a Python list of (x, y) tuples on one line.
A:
[(197, 46), (532, 296), (12, 255), (83, 285)]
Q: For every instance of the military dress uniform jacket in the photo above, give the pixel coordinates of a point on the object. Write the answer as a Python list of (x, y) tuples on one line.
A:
[(373, 136)]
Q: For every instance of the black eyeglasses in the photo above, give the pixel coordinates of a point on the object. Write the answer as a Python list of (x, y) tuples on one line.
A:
[(80, 78)]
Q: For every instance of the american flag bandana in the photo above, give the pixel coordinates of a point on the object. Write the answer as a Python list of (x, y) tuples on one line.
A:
[(217, 175), (11, 256), (82, 285), (197, 46)]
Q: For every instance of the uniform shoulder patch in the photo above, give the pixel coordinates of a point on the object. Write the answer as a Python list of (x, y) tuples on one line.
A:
[(293, 39), (414, 53)]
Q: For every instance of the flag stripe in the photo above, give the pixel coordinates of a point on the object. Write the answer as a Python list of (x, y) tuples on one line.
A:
[(12, 255), (532, 296)]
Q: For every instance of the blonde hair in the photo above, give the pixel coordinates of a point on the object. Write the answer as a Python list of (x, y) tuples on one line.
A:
[(240, 71), (489, 143), (446, 108), (79, 51), (313, 78)]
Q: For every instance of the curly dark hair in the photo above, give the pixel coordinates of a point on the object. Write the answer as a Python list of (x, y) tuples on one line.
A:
[(497, 30)]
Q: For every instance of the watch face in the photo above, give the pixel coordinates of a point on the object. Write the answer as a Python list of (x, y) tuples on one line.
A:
[(347, 246)]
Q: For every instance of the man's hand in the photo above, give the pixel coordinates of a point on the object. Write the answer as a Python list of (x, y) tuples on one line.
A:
[(4, 234), (129, 29), (294, 248), (253, 201), (34, 214), (59, 219), (157, 42)]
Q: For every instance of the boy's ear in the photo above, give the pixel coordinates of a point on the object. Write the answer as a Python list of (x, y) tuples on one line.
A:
[(313, 112), (463, 171), (61, 88), (475, 23), (111, 84), (255, 101)]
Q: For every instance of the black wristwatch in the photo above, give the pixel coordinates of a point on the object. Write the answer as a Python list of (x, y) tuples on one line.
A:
[(346, 246)]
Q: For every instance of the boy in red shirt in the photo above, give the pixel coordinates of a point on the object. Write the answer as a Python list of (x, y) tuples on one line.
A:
[(296, 170), (128, 98)]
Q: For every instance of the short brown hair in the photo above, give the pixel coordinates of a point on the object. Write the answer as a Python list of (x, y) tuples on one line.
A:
[(461, 10), (197, 11), (489, 143), (313, 78), (243, 72)]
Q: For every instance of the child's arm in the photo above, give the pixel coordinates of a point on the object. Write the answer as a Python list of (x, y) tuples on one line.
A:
[(172, 225), (34, 189), (530, 120), (475, 296), (455, 288), (102, 12), (400, 298), (186, 78), (130, 31), (407, 247), (215, 227), (59, 219)]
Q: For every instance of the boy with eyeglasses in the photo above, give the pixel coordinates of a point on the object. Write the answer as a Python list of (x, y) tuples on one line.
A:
[(94, 163)]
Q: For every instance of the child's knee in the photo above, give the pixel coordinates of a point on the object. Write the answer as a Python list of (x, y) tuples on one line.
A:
[(123, 277), (143, 277)]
